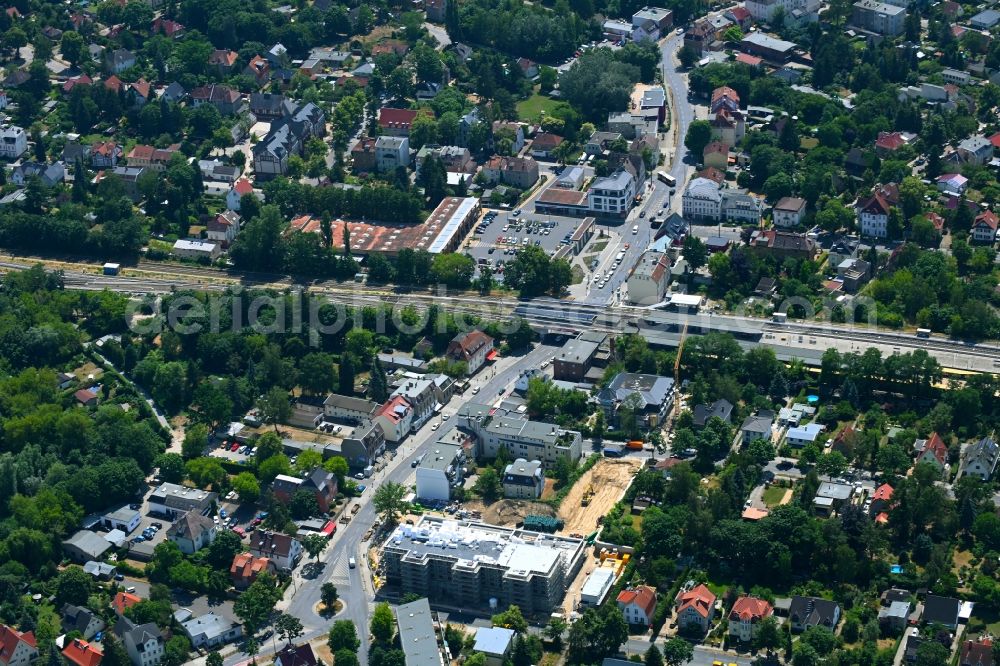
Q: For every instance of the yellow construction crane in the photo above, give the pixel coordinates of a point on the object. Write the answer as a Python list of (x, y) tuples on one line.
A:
[(677, 369)]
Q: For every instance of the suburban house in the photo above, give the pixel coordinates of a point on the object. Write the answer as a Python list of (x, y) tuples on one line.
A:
[(889, 142), (977, 150), (82, 653), (954, 184), (144, 642), (396, 122), (941, 610), (789, 212), (984, 227), (932, 451), (348, 408), (192, 532), (757, 426), (655, 397), (105, 154), (321, 483), (396, 418), (894, 611), (124, 600), (523, 479), (519, 172), (211, 630), (721, 408), (881, 499), (976, 653), (544, 144), (17, 648), (495, 643), (782, 244), (223, 227), (296, 655), (804, 435), (980, 459), (239, 189), (157, 159), (638, 605), (473, 348), (513, 131), (82, 620), (245, 569), (283, 550), (695, 609), (805, 612), (746, 616), (120, 59), (228, 101)]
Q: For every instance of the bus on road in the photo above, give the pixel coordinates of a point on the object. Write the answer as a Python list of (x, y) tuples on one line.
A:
[(665, 177)]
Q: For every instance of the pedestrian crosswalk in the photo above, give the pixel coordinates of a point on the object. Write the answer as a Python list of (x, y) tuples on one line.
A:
[(341, 573)]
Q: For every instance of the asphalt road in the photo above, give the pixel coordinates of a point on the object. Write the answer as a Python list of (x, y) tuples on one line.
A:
[(354, 585)]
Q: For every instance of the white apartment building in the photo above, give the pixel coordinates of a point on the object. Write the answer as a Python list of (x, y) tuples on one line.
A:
[(702, 200), (391, 152), (13, 142), (647, 285), (789, 212), (799, 10), (612, 195)]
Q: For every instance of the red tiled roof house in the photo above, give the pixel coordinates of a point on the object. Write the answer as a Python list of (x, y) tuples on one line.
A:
[(695, 609), (638, 605), (746, 616), (473, 348)]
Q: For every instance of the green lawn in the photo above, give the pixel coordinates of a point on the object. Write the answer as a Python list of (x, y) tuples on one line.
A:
[(772, 495), (530, 110)]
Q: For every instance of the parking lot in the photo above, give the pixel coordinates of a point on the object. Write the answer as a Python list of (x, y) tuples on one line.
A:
[(496, 240)]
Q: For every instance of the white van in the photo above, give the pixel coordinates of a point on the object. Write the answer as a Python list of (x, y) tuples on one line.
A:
[(351, 562), (635, 228)]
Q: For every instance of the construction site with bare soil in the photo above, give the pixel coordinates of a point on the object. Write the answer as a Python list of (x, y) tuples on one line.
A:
[(592, 497)]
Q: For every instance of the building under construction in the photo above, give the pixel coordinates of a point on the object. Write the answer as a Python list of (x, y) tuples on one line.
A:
[(478, 566)]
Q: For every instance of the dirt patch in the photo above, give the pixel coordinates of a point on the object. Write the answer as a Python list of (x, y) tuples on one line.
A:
[(508, 513), (608, 479), (550, 488), (83, 373)]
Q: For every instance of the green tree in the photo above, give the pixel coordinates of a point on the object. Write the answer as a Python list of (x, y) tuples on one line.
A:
[(214, 658), (205, 472), (195, 442), (932, 653), (247, 487), (382, 624), (177, 649), (73, 586), (339, 467), (511, 618), (388, 501), (343, 636), (488, 486), (328, 596), (315, 544), (378, 383), (653, 656), (317, 373), (274, 407), (768, 635), (171, 466), (677, 651), (695, 252), (288, 627), (699, 134), (72, 47), (255, 605)]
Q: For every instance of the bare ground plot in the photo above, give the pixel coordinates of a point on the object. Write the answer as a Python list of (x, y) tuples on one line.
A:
[(508, 512), (609, 478)]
